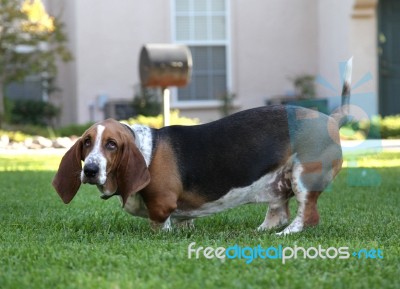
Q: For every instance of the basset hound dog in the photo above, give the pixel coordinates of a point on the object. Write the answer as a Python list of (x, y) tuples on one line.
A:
[(177, 173)]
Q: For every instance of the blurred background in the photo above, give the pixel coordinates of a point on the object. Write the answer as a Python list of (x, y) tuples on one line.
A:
[(245, 54)]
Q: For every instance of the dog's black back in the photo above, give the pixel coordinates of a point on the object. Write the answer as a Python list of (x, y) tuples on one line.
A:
[(239, 149)]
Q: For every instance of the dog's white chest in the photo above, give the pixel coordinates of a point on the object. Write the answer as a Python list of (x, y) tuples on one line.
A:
[(136, 206)]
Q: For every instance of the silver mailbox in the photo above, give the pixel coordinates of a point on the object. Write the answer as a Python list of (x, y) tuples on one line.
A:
[(164, 65)]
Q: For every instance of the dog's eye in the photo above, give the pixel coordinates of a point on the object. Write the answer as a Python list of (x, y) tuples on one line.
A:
[(111, 145), (87, 142)]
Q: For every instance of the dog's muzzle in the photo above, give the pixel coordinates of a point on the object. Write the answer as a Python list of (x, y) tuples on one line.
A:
[(91, 173)]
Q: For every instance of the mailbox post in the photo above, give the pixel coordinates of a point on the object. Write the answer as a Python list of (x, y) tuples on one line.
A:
[(163, 66)]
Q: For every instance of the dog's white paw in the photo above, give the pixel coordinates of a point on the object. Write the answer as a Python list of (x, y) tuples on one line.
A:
[(295, 227), (165, 227)]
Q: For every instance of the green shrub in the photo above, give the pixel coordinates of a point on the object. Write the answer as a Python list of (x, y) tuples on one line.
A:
[(18, 133), (33, 112), (15, 136), (227, 106), (73, 129), (390, 126), (45, 131), (157, 121), (349, 133), (147, 102), (378, 127)]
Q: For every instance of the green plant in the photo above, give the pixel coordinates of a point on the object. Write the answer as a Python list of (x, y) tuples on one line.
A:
[(390, 126), (227, 106), (73, 129), (304, 86), (33, 112), (157, 121), (147, 102), (377, 127), (27, 131), (14, 136)]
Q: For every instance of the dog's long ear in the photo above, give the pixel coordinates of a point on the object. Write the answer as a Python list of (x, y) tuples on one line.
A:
[(132, 172), (67, 180)]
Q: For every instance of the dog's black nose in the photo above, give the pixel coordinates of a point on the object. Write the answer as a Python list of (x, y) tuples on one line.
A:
[(91, 170)]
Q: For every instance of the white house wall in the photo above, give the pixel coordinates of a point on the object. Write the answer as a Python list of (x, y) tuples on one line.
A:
[(271, 42)]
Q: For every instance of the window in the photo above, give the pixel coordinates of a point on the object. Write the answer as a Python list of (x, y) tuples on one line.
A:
[(202, 25), (31, 88)]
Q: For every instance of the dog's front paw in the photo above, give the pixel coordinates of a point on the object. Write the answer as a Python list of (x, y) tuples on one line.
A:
[(165, 227), (264, 227), (183, 224), (295, 227), (270, 224)]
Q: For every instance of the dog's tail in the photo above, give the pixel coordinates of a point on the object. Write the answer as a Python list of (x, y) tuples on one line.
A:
[(343, 112)]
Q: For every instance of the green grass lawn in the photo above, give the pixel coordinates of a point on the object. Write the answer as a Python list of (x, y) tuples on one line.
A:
[(92, 243)]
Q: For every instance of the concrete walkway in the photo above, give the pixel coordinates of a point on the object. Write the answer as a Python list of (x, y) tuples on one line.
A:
[(50, 151), (374, 146)]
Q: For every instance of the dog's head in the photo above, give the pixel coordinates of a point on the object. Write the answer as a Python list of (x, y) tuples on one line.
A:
[(111, 159)]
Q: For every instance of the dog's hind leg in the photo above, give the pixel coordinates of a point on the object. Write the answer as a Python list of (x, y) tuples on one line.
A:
[(302, 184), (278, 213), (311, 215)]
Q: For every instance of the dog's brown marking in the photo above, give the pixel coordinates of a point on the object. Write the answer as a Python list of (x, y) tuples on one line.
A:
[(165, 188), (311, 167), (311, 215), (333, 127), (190, 201), (67, 179), (302, 114), (336, 166)]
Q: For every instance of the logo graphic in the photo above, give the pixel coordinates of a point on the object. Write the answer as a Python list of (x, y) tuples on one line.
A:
[(280, 252), (357, 112), (358, 177)]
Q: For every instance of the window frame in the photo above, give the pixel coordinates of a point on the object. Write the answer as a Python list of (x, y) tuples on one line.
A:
[(211, 103)]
